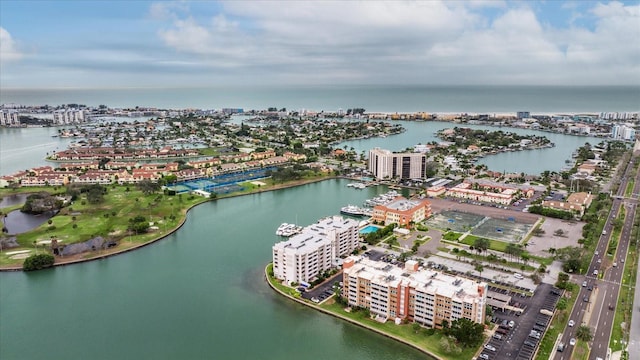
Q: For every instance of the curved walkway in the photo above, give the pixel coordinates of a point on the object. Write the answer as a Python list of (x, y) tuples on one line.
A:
[(315, 307)]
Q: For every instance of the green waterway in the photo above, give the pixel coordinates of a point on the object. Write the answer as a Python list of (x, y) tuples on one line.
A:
[(197, 294)]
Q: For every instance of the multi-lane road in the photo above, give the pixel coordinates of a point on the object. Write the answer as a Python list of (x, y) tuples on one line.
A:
[(597, 299)]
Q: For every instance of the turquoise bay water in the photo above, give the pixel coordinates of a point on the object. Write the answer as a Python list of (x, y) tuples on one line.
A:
[(198, 294)]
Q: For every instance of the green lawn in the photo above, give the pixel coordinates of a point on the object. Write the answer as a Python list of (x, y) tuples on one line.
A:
[(109, 219), (629, 190), (430, 343), (624, 307)]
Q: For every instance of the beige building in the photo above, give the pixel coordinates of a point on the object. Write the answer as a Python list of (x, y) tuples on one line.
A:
[(576, 202), (402, 211), (424, 296), (384, 164)]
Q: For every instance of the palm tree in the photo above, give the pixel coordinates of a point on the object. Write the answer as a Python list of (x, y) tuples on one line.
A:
[(584, 333), (479, 268)]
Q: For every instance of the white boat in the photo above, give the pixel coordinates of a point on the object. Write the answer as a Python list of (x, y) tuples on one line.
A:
[(286, 229), (355, 211), (357, 185)]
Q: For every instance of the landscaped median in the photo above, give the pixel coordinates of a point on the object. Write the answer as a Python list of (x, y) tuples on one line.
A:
[(426, 340)]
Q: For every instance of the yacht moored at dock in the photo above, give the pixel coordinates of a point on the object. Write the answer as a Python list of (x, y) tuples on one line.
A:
[(286, 229), (356, 211)]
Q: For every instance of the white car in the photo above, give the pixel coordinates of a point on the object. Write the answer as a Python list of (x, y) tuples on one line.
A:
[(572, 342), (571, 323), (518, 276), (489, 347)]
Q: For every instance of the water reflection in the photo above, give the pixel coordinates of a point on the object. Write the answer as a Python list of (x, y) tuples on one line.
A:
[(18, 222), (12, 199)]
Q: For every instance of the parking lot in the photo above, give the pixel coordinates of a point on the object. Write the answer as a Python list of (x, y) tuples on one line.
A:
[(517, 336), (323, 291)]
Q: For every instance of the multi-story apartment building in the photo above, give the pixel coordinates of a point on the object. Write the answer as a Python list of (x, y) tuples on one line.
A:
[(427, 297), (303, 256), (384, 164), (72, 116), (623, 132), (402, 211), (9, 118)]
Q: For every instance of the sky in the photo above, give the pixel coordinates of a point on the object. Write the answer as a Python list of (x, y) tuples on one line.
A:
[(150, 44)]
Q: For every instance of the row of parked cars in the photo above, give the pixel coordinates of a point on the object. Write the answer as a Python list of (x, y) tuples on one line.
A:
[(536, 333)]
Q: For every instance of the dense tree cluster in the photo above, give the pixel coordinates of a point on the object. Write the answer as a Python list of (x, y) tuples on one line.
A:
[(138, 224), (41, 202), (466, 332), (554, 213), (38, 262), (374, 237)]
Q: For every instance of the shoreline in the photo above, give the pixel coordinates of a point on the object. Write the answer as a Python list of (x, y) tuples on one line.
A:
[(172, 231), (365, 326)]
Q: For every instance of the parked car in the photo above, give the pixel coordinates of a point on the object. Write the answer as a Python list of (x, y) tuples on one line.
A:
[(489, 347)]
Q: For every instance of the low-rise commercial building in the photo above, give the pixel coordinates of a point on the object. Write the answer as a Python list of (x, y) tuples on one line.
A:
[(316, 249), (425, 296), (576, 202), (402, 211), (490, 193)]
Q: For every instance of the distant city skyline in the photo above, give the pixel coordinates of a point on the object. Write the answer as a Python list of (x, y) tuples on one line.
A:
[(147, 44)]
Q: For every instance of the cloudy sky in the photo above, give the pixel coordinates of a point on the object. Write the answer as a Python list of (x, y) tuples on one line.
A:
[(100, 44)]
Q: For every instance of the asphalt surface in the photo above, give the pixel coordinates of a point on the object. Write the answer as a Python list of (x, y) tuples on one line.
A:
[(516, 342), (598, 310)]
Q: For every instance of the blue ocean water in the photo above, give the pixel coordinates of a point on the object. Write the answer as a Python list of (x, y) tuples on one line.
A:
[(382, 98)]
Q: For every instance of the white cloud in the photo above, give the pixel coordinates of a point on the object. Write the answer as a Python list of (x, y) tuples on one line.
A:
[(410, 42), (8, 48)]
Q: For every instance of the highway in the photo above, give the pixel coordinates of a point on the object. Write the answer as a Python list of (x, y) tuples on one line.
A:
[(596, 302)]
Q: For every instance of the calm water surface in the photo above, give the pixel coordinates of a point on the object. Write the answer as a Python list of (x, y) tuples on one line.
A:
[(198, 294)]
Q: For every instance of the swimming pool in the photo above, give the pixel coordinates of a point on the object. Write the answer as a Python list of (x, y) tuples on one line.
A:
[(369, 229)]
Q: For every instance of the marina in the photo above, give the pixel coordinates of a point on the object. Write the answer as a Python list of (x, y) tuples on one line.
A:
[(382, 199)]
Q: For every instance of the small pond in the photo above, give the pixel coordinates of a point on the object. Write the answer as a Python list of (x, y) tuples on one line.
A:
[(13, 199), (18, 222)]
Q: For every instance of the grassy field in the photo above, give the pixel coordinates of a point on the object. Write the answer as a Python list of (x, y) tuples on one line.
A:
[(110, 219), (82, 221)]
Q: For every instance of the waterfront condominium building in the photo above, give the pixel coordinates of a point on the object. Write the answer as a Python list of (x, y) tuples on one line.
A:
[(402, 211), (9, 118), (425, 296), (317, 248), (384, 164)]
